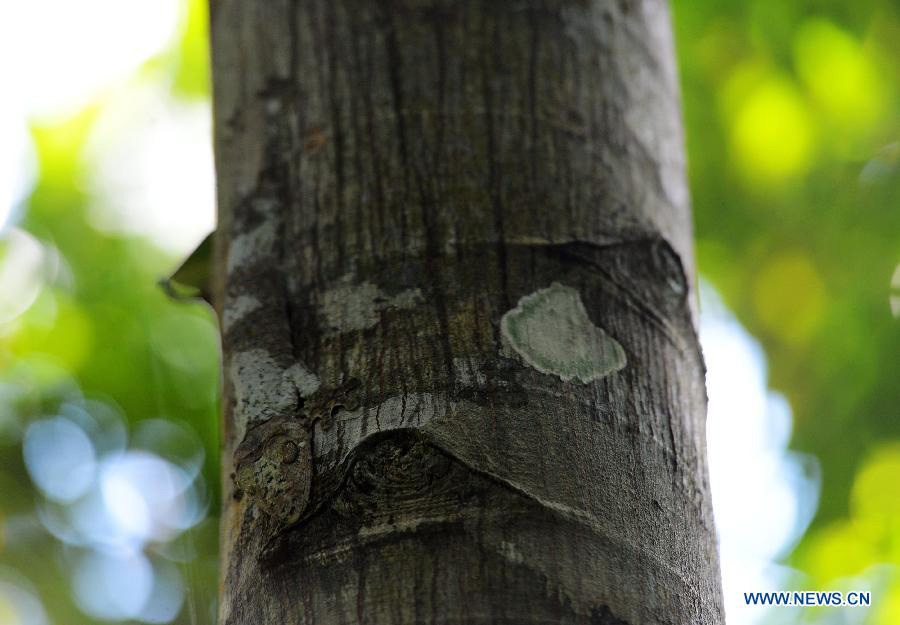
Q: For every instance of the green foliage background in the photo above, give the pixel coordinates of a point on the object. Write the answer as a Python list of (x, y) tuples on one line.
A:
[(792, 122), (792, 134)]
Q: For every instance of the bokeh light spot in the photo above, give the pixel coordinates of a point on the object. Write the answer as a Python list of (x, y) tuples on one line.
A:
[(60, 458), (103, 41), (880, 475), (66, 336), (22, 264), (19, 604), (772, 134), (166, 596), (113, 587), (171, 441), (147, 496), (18, 165), (838, 551), (167, 193), (842, 79), (789, 296)]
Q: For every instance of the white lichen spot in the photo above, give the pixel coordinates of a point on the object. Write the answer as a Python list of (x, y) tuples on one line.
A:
[(251, 247), (263, 389), (304, 381), (349, 307), (237, 308), (550, 329)]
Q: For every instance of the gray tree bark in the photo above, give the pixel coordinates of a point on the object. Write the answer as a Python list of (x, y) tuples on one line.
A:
[(454, 276)]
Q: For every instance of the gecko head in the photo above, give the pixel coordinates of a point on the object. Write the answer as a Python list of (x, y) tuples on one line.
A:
[(274, 467)]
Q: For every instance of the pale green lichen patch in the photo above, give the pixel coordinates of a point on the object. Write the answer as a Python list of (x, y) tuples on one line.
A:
[(550, 329)]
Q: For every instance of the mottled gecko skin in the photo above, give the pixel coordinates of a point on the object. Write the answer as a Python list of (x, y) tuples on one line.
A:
[(274, 461), (274, 467)]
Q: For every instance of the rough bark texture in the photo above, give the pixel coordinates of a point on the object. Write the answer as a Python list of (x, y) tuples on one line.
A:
[(462, 377)]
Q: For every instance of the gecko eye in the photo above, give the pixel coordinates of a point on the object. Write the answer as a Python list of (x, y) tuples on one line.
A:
[(287, 452)]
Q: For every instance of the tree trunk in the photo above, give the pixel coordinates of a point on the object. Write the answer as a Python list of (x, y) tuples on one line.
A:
[(462, 376)]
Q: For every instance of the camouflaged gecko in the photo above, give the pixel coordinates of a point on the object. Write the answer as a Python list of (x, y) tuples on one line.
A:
[(274, 462)]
